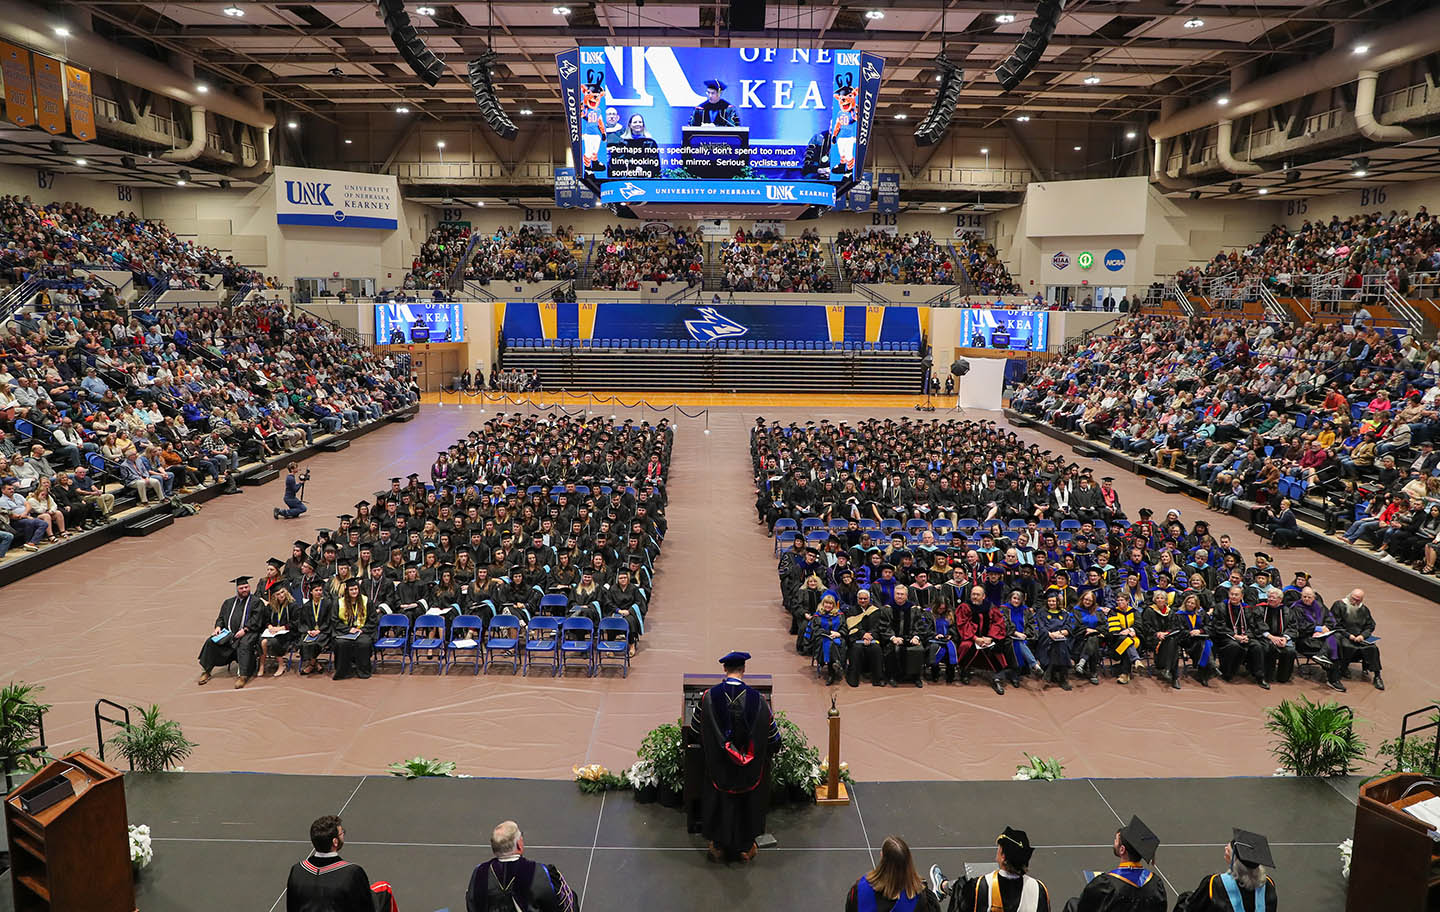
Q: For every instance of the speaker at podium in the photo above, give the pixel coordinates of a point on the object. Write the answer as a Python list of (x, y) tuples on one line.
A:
[(692, 687)]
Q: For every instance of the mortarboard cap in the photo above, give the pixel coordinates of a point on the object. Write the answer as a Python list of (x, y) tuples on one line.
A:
[(362, 504), (344, 517), (735, 658), (1016, 846), (1251, 848), (275, 562), (1260, 554), (1140, 839), (302, 545), (240, 580), (719, 86), (395, 479)]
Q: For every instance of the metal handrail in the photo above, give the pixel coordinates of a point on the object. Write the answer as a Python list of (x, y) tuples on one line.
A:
[(1182, 298), (457, 275), (99, 734), (1376, 284)]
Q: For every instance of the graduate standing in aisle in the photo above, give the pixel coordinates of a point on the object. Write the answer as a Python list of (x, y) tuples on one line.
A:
[(236, 637), (1130, 886), (738, 736)]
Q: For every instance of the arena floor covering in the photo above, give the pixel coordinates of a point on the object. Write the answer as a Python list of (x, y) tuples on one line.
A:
[(224, 842), (125, 622)]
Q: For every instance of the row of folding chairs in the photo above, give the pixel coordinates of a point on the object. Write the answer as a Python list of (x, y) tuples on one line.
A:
[(816, 531), (552, 643)]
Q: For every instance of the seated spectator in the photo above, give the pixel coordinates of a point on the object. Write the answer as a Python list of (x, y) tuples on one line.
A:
[(510, 882), (893, 883), (1009, 888)]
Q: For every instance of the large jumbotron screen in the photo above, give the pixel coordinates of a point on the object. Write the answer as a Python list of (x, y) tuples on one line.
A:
[(687, 125)]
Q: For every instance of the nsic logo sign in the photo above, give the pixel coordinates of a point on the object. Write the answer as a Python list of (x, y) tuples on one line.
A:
[(1085, 260), (1060, 260), (1115, 260)]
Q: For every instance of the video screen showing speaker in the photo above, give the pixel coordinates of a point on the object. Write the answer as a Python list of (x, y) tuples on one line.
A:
[(417, 322), (719, 125), (1015, 330)]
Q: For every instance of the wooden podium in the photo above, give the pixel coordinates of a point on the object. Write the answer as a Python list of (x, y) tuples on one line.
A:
[(75, 853), (1393, 860)]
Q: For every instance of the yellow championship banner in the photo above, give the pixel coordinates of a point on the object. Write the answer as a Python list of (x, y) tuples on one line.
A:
[(80, 102), (49, 94), (19, 90)]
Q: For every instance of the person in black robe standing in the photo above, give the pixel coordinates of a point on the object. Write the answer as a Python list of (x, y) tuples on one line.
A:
[(738, 737), (236, 637), (1130, 886), (355, 623), (715, 110), (325, 882)]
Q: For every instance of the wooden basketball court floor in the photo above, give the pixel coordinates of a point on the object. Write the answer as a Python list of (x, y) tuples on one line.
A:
[(125, 623)]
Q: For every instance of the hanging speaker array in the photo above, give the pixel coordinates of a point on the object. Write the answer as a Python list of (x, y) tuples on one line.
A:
[(1032, 44), (484, 91), (937, 122), (408, 42)]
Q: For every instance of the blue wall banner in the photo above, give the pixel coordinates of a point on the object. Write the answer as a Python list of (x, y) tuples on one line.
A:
[(420, 321), (716, 191), (710, 323), (1027, 330), (570, 193), (709, 115), (887, 192), (858, 199)]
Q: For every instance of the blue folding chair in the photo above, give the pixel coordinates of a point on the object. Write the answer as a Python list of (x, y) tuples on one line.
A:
[(613, 642), (1016, 525), (839, 525), (1070, 525), (466, 634), (806, 525), (817, 536), (392, 639), (916, 526), (942, 526), (428, 635), (502, 640), (554, 605), (542, 638), (785, 539), (577, 641), (869, 524), (887, 525), (785, 523)]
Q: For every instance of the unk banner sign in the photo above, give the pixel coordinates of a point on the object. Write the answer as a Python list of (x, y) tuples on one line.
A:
[(336, 199)]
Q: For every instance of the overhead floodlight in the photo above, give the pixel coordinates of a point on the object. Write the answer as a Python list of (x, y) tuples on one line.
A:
[(1263, 190), (874, 15), (526, 111), (1223, 100), (292, 124), (560, 10), (80, 162), (402, 110), (234, 12), (1078, 148), (1023, 118), (902, 116), (201, 87), (1092, 79), (1130, 134), (1360, 166), (1236, 187), (1360, 49), (61, 32), (1004, 18), (424, 10), (1194, 22)]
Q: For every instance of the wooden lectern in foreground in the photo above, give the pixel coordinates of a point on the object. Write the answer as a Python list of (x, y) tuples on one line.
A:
[(1393, 860), (69, 839)]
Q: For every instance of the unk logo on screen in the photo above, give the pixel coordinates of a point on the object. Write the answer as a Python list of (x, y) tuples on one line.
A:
[(713, 326), (629, 190), (308, 193), (779, 192)]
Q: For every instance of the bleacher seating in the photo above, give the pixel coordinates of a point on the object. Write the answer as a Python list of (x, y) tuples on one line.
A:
[(750, 263), (523, 255), (623, 258), (908, 259)]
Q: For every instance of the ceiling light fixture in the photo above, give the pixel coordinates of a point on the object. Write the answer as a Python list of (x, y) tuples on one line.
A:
[(874, 15), (349, 141), (938, 77), (1223, 100), (1360, 49), (294, 125), (560, 10), (62, 32), (424, 10), (439, 143), (1092, 79), (984, 150), (201, 87), (402, 110), (943, 208), (1360, 166), (901, 116), (1023, 118), (180, 183), (480, 203), (1129, 134), (1004, 18), (80, 162), (1078, 148), (1194, 22), (526, 112), (1263, 190), (1360, 173), (234, 12)]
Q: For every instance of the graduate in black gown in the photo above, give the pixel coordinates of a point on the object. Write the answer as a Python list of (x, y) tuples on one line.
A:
[(354, 628), (738, 736), (715, 110), (314, 620), (1130, 886), (236, 637), (1246, 885), (325, 882), (280, 631)]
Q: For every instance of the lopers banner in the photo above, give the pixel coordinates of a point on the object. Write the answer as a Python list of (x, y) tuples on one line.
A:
[(80, 102), (49, 94), (711, 323)]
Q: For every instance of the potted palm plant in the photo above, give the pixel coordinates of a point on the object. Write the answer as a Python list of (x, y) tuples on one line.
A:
[(154, 744), (20, 715), (795, 769), (1314, 739), (664, 749)]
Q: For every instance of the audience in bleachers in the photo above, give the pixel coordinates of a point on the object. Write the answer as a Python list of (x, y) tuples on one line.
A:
[(916, 546), (38, 238), (162, 402), (1396, 245), (750, 262), (523, 255), (982, 264), (529, 517), (1325, 414), (437, 258), (623, 258), (870, 257)]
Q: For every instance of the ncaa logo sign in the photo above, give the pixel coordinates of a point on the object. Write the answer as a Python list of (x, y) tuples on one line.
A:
[(1115, 260), (1060, 260)]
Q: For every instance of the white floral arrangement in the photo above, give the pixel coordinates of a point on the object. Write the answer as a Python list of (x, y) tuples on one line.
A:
[(1346, 848), (141, 851), (641, 774)]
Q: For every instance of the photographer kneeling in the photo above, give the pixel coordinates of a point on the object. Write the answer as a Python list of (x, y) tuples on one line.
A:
[(294, 487)]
